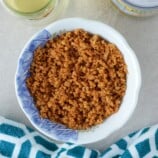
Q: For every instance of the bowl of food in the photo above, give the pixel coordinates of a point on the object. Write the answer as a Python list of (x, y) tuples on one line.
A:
[(77, 81)]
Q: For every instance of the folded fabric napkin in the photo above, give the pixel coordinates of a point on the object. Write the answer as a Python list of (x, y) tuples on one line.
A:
[(19, 141)]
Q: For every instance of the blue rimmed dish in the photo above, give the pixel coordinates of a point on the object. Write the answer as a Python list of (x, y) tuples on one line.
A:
[(60, 132)]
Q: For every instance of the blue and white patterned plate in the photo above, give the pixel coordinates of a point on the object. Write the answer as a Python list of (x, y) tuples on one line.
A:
[(60, 132), (143, 3), (137, 7)]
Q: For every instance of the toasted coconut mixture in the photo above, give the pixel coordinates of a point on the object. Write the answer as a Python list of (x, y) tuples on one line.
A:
[(77, 79)]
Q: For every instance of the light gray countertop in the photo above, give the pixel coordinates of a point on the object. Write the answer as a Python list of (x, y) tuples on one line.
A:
[(141, 34)]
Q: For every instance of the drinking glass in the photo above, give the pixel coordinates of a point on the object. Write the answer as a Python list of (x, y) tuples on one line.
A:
[(33, 9)]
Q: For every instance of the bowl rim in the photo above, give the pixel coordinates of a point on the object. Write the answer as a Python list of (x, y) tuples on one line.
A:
[(138, 76)]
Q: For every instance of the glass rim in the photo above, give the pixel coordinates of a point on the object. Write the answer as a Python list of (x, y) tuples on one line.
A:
[(25, 13)]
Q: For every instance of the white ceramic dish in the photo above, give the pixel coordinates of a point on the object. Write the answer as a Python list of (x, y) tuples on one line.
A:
[(111, 124)]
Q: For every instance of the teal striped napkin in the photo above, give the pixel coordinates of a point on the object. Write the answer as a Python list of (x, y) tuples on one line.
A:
[(19, 141)]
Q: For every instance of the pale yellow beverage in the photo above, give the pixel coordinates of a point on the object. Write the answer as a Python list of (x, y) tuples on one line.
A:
[(27, 6), (35, 9)]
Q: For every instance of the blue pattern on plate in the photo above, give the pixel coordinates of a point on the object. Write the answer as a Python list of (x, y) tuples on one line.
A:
[(57, 131)]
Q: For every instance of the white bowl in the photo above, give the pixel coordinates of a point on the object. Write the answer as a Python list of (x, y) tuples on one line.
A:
[(60, 132)]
